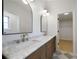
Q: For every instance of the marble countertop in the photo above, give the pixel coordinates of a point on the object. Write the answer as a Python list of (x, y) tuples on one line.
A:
[(24, 49)]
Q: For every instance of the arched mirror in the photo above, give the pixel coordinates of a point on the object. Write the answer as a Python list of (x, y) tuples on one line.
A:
[(43, 24), (17, 17)]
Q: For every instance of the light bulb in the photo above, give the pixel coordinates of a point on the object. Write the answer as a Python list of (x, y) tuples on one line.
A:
[(44, 15), (25, 2), (44, 11), (31, 0), (47, 14), (66, 13)]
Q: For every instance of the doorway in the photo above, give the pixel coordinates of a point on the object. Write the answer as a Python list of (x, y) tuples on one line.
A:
[(65, 32)]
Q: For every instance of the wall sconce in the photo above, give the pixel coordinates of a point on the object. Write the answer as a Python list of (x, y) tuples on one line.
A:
[(45, 13), (66, 13), (25, 2), (31, 0)]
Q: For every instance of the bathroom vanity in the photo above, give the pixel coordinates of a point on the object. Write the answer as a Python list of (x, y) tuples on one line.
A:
[(18, 19), (41, 47), (45, 51)]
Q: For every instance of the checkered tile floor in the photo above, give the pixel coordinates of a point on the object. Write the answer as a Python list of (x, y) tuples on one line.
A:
[(59, 55)]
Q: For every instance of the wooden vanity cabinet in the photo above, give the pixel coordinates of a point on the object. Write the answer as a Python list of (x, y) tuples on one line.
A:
[(35, 55), (49, 51), (44, 52), (39, 54), (53, 44), (50, 48)]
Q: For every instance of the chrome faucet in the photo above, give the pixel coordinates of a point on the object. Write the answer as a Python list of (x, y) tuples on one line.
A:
[(24, 37)]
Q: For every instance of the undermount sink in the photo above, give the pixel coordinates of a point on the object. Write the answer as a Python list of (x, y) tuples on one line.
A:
[(22, 45), (28, 43)]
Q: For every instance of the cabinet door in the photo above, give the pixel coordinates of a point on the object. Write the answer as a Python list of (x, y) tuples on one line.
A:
[(35, 55), (43, 52), (54, 44), (51, 47), (49, 50)]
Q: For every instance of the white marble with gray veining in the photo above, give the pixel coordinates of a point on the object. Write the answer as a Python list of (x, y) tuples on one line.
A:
[(24, 49)]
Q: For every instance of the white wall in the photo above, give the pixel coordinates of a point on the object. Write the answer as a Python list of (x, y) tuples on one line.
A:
[(52, 24), (66, 29)]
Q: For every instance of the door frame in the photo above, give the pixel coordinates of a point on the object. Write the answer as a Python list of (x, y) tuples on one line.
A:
[(57, 39)]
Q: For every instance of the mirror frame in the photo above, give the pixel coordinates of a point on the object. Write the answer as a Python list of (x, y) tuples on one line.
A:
[(42, 25)]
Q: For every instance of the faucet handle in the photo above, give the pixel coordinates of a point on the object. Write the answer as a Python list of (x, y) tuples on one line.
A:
[(24, 36)]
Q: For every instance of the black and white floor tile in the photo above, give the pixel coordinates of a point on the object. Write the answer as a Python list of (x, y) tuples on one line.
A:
[(62, 55)]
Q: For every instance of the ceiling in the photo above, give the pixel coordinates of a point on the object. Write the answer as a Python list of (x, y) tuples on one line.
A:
[(55, 4), (50, 5), (19, 2)]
